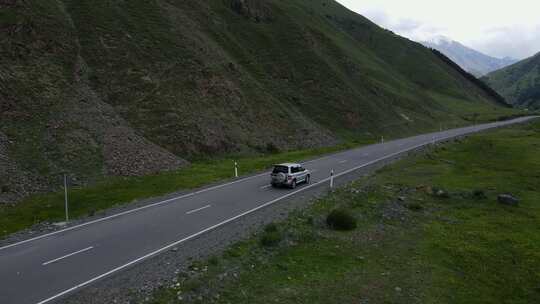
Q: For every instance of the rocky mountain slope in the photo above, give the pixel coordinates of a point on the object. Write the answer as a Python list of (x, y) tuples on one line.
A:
[(519, 83), (98, 88), (472, 61)]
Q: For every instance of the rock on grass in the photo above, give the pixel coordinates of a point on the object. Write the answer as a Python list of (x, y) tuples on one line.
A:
[(508, 199)]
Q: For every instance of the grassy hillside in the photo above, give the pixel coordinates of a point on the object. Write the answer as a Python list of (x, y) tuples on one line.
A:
[(519, 83), (429, 230), (99, 88)]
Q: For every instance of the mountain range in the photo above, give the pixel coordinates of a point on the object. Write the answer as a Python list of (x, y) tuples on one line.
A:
[(101, 88), (472, 61), (519, 83)]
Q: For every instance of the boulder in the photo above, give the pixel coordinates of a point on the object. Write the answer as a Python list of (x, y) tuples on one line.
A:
[(508, 199)]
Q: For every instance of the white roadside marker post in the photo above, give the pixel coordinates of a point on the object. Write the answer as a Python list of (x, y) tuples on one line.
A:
[(332, 178), (382, 139), (235, 169), (66, 198)]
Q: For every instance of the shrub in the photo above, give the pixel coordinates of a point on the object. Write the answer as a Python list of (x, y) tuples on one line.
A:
[(269, 239), (272, 227), (213, 261), (479, 194), (341, 219), (271, 235), (414, 206)]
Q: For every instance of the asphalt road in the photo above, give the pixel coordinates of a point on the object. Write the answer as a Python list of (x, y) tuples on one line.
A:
[(44, 269)]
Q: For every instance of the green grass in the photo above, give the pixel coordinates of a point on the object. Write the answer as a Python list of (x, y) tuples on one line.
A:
[(198, 79), (519, 83), (118, 191), (460, 248)]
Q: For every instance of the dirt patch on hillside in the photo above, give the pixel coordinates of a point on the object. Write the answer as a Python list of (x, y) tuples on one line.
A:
[(15, 183)]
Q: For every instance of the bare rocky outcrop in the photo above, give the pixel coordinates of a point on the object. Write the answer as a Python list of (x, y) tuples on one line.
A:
[(256, 10), (10, 3), (126, 154)]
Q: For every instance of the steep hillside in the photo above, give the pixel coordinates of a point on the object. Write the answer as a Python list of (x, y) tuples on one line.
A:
[(519, 83), (470, 60), (101, 88)]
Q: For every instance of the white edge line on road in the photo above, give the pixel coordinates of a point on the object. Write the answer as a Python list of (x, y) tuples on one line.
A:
[(145, 207), (198, 209), (67, 256), (234, 218), (230, 220), (131, 211), (186, 195)]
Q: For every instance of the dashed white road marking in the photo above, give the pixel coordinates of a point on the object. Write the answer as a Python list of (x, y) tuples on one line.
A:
[(153, 253), (67, 256), (147, 207), (343, 161), (265, 187), (198, 209)]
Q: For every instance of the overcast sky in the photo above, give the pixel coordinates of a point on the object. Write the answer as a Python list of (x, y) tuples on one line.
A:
[(497, 28)]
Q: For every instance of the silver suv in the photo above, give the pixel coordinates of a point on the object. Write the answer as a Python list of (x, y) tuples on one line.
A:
[(289, 175)]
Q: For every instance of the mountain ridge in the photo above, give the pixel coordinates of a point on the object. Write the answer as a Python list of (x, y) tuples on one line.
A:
[(471, 60), (104, 88), (519, 83)]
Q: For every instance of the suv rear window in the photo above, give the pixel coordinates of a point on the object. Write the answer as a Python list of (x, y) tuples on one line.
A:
[(281, 169)]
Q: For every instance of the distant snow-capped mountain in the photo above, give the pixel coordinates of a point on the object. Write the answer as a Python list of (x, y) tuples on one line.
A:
[(472, 61)]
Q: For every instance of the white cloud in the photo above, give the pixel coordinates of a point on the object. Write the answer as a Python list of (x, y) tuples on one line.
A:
[(498, 28), (514, 41)]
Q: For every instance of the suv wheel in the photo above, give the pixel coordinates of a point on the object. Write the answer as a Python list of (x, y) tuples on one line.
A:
[(307, 179), (293, 185)]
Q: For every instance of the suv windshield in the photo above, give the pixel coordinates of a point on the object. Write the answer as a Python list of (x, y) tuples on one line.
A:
[(281, 169)]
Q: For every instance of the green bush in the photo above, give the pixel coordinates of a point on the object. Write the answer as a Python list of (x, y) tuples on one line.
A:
[(479, 194), (414, 206), (341, 219), (213, 261), (272, 227), (269, 239), (271, 235)]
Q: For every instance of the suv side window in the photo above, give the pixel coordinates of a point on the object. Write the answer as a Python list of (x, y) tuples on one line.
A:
[(295, 169), (301, 169)]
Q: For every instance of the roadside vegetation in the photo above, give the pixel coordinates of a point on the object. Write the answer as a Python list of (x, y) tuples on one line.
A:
[(429, 229), (89, 200)]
